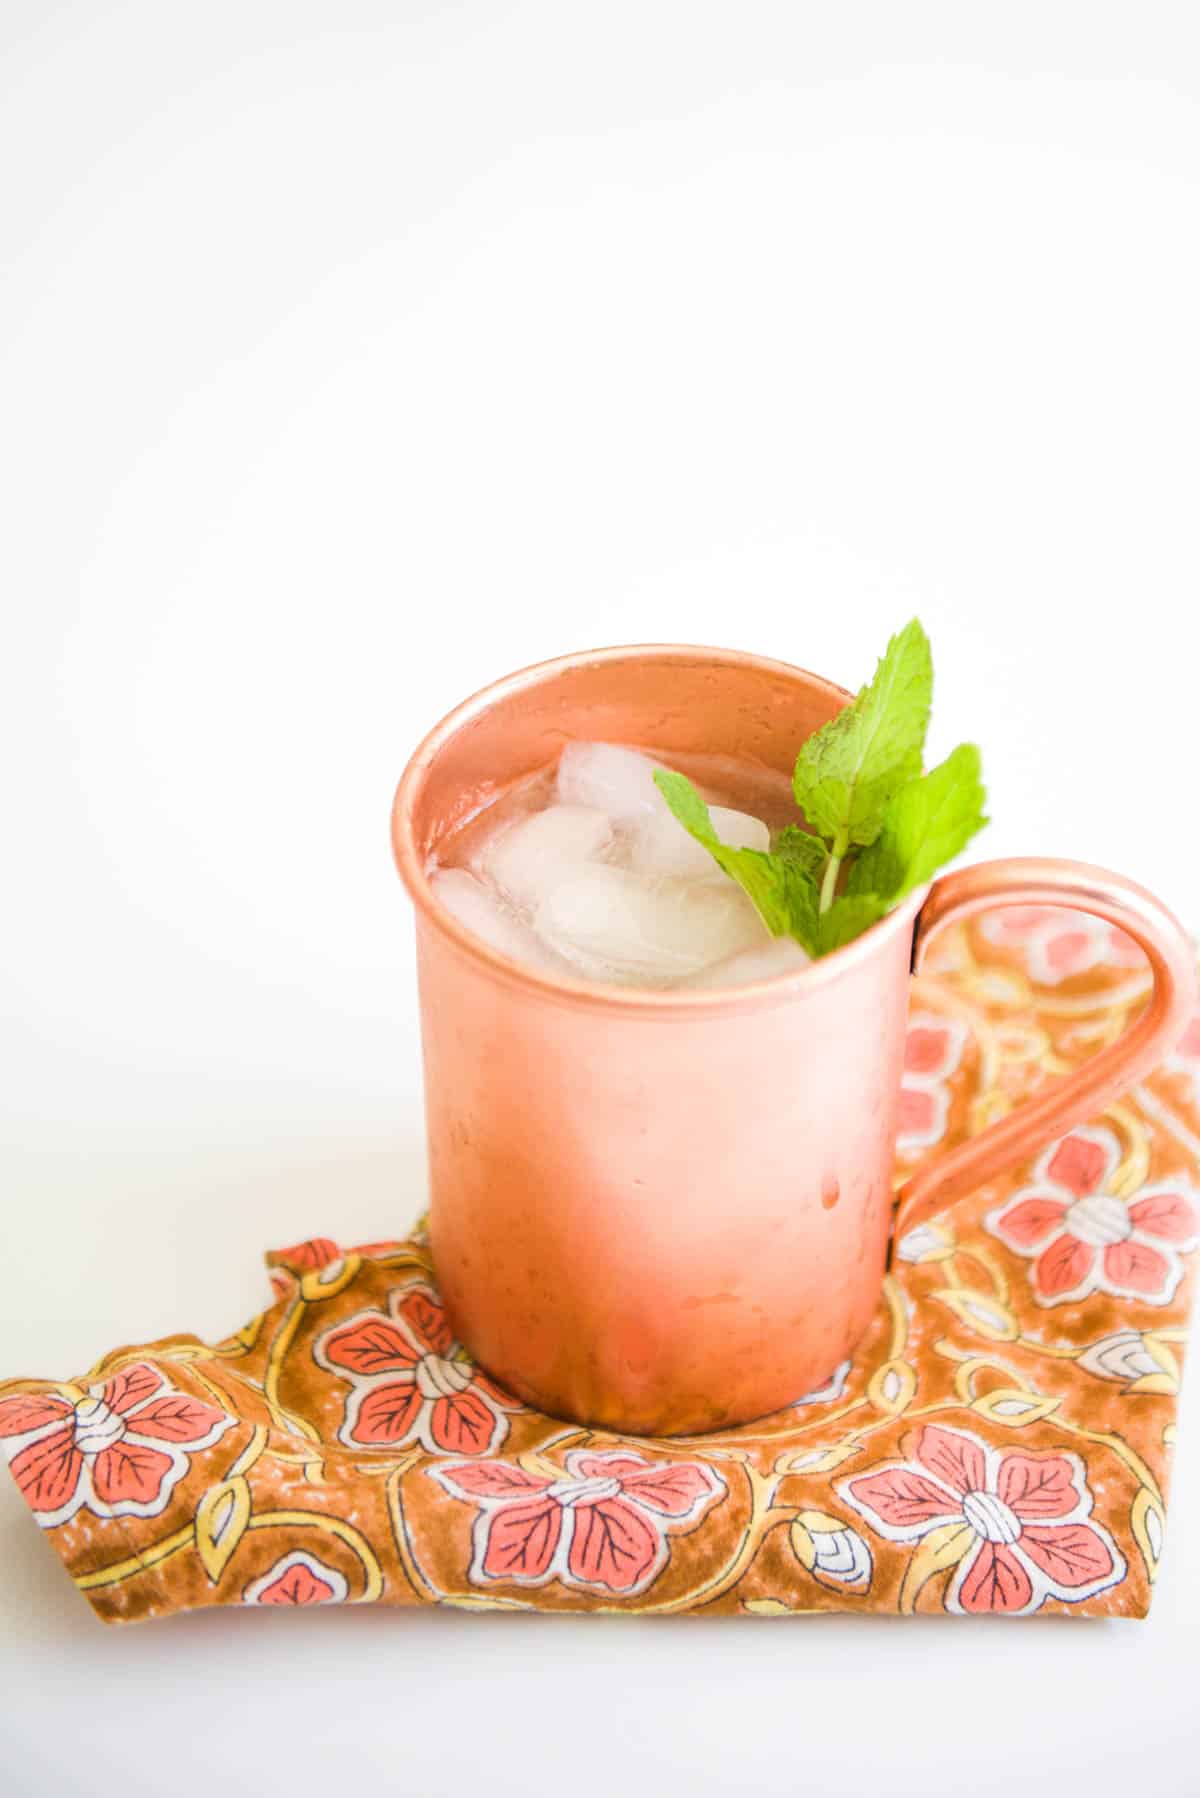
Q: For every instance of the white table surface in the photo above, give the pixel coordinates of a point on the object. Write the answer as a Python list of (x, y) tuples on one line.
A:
[(355, 354)]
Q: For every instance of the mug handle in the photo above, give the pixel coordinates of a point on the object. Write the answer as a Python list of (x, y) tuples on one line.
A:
[(1037, 880)]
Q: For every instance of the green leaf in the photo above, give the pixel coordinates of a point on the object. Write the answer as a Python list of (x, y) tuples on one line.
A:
[(686, 805), (888, 827), (803, 903), (848, 771), (927, 824), (800, 845), (847, 918), (780, 887)]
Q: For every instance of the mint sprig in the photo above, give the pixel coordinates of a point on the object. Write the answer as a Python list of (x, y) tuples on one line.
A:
[(878, 826), (926, 824), (781, 887)]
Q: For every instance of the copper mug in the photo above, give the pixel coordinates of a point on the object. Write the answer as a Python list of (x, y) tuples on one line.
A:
[(670, 1212)]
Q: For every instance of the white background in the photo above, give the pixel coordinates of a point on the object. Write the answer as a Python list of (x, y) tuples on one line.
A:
[(354, 354)]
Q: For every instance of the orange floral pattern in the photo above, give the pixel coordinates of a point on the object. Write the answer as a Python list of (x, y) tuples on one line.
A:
[(116, 1450), (410, 1382), (1083, 1238), (298, 1578), (1017, 1527), (933, 1050), (601, 1525), (999, 1443), (1057, 944)]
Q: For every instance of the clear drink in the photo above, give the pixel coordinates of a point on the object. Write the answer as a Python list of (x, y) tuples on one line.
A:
[(582, 870)]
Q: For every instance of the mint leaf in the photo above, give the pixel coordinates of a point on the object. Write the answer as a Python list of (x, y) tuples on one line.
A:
[(848, 771), (686, 805), (800, 845), (803, 900), (887, 827), (928, 822), (780, 887), (784, 896), (847, 918)]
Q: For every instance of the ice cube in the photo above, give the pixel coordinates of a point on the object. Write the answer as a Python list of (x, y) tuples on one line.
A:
[(617, 781), (614, 925), (485, 914), (660, 845), (782, 955), (527, 858)]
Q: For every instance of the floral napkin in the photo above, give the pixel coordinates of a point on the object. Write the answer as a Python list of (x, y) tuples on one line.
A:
[(1000, 1441)]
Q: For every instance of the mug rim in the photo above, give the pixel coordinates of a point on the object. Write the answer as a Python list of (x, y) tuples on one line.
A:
[(571, 989)]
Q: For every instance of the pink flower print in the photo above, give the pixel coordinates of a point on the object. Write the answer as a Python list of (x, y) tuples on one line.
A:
[(603, 1526), (409, 1382), (298, 1578), (1082, 1238), (119, 1451), (1059, 943), (933, 1050), (1027, 1533), (311, 1255)]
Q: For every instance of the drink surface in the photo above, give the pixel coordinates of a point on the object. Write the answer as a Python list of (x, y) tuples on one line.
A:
[(581, 870)]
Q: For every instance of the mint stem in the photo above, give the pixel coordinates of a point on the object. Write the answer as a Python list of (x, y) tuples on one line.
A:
[(832, 868)]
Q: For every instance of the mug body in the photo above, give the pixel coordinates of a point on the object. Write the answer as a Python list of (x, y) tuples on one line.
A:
[(663, 1212)]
